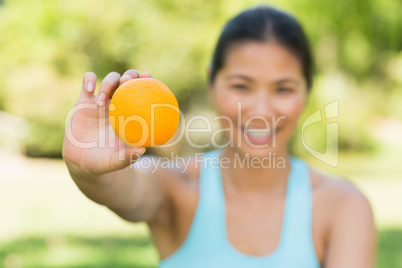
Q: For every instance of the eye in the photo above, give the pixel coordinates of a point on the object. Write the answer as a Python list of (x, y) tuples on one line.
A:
[(240, 87), (284, 90)]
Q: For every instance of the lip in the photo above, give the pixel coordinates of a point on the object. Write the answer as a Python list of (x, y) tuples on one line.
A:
[(259, 136)]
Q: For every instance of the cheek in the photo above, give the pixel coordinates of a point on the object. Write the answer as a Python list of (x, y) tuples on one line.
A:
[(226, 104), (292, 109)]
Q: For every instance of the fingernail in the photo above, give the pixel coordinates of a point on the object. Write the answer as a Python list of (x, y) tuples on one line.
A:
[(101, 99), (126, 76), (90, 87)]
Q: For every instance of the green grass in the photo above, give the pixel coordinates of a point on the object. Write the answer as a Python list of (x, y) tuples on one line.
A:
[(79, 251), (390, 249), (115, 251)]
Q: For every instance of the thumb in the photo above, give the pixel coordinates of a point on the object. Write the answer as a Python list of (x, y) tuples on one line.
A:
[(134, 153), (127, 156)]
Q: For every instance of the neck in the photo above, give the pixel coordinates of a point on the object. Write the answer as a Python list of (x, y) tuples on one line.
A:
[(248, 174)]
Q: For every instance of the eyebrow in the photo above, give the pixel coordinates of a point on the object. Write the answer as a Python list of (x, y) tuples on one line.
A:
[(240, 76), (284, 80)]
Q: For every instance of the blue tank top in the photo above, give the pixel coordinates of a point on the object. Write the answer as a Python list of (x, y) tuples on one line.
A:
[(207, 244)]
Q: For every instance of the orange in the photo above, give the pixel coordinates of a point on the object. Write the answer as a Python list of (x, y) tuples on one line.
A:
[(144, 112)]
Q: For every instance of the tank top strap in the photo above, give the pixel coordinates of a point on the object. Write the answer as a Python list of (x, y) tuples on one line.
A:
[(298, 237)]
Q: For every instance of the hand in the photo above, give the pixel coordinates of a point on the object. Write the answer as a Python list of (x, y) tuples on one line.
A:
[(90, 146)]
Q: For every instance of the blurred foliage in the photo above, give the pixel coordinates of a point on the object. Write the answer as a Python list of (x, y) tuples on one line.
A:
[(46, 47), (72, 251), (39, 144)]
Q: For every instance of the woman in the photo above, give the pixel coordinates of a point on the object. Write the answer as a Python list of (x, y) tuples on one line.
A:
[(233, 215)]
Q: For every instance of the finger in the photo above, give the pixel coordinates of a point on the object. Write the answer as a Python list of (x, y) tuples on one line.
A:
[(128, 75), (107, 88), (88, 85), (146, 75)]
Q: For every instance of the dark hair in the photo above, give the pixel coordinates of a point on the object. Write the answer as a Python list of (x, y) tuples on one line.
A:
[(264, 24)]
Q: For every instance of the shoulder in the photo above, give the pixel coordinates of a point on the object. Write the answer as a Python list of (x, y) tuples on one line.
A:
[(350, 234), (170, 180), (191, 167), (340, 194)]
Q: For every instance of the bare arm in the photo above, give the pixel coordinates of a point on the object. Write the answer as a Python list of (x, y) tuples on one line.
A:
[(135, 195), (352, 241), (100, 164)]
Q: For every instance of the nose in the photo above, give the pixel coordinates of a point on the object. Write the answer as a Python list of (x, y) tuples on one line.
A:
[(261, 105)]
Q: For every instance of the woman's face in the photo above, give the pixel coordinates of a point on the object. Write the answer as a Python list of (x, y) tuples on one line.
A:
[(260, 92)]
